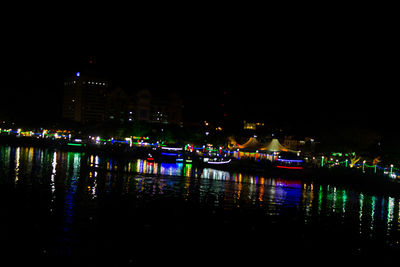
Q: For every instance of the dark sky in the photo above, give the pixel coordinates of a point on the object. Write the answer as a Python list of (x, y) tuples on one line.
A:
[(331, 69)]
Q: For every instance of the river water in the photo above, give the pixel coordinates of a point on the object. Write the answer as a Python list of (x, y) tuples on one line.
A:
[(68, 207)]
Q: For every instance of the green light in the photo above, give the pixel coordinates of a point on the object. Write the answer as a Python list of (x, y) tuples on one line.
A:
[(72, 144)]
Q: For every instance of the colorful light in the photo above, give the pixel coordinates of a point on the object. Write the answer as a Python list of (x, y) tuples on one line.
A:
[(287, 167), (172, 148), (72, 144), (219, 162), (290, 160), (168, 154)]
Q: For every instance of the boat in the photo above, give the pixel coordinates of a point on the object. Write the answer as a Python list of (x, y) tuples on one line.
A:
[(173, 154), (217, 161), (289, 160)]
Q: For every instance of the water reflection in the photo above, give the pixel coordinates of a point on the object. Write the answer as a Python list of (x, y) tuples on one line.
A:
[(78, 183)]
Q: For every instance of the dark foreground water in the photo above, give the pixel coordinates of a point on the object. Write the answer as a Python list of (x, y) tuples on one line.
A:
[(71, 208)]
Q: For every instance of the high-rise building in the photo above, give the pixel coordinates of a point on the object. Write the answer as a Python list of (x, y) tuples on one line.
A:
[(143, 105), (119, 106), (84, 98), (163, 108)]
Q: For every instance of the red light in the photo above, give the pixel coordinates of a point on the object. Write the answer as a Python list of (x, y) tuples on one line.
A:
[(287, 167)]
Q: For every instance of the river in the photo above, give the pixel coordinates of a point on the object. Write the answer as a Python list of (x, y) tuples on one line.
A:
[(68, 207)]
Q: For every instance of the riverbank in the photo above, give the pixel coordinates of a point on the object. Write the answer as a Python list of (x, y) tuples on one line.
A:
[(117, 150), (351, 178)]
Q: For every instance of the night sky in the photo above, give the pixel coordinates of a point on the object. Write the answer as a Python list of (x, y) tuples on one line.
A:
[(335, 71)]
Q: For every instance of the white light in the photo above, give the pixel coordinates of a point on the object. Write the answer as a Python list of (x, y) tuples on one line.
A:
[(219, 162), (172, 148)]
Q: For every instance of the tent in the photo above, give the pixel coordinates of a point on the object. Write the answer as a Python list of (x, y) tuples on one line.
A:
[(275, 146), (252, 143)]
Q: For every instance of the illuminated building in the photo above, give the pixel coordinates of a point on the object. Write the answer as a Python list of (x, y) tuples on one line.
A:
[(158, 108), (143, 105), (252, 125), (84, 98), (119, 106), (291, 142)]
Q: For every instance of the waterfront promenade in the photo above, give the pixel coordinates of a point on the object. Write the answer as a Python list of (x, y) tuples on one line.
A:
[(357, 178)]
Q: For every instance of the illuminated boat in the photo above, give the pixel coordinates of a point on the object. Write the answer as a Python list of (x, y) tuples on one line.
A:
[(290, 161), (217, 161), (171, 154)]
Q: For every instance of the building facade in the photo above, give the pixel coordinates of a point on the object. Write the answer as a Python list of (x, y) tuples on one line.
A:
[(84, 98), (145, 106), (88, 98), (163, 108)]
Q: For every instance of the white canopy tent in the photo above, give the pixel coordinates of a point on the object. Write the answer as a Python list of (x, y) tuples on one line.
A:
[(273, 146), (252, 143)]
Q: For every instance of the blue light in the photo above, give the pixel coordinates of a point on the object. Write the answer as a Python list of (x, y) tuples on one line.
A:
[(290, 160), (168, 154), (78, 74)]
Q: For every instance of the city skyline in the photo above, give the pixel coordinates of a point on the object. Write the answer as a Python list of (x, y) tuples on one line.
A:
[(332, 65), (332, 73), (363, 92)]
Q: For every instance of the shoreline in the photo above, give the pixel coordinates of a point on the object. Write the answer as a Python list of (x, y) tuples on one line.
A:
[(343, 177)]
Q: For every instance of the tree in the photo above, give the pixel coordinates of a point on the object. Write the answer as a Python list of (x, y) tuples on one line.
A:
[(138, 129), (354, 160)]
